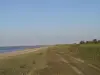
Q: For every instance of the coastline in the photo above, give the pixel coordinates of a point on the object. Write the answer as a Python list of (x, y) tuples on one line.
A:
[(19, 52)]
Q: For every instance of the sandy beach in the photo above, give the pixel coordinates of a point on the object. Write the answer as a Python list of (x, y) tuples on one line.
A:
[(15, 53)]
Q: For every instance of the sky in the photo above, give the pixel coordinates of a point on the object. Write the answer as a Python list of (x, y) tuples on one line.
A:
[(39, 22)]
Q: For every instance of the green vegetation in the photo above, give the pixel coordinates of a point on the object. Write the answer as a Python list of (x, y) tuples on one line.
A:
[(89, 52), (23, 64), (94, 41)]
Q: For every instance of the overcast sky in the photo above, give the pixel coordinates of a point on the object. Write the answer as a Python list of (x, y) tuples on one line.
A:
[(32, 22)]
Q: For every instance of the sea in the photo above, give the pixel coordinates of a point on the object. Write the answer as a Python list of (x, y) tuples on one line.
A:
[(16, 48)]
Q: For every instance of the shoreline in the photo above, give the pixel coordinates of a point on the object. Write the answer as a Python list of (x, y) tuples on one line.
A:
[(19, 52)]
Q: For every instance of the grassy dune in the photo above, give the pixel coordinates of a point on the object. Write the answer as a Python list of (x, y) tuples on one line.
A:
[(23, 64), (88, 52)]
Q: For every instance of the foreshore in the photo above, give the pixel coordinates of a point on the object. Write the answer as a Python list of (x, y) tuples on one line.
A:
[(19, 52)]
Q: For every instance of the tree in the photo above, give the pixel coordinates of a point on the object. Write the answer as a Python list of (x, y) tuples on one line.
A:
[(82, 42), (95, 41)]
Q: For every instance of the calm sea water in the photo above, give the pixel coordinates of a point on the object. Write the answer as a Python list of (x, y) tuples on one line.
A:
[(10, 49)]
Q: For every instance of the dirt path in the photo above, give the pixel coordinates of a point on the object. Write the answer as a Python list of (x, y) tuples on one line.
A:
[(80, 67)]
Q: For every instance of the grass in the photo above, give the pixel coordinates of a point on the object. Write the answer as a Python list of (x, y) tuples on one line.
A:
[(60, 48), (88, 52), (22, 64)]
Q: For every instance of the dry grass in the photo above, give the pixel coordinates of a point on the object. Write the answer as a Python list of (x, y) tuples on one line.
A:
[(22, 64)]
